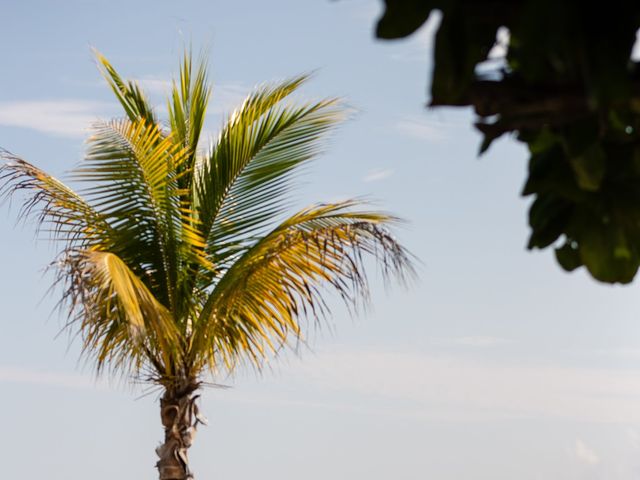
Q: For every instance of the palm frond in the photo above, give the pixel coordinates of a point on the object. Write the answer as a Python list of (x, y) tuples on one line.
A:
[(59, 211), (187, 108), (131, 169), (120, 321), (241, 187), (259, 302), (129, 94)]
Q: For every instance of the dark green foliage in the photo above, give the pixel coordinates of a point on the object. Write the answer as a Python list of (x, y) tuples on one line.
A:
[(569, 90)]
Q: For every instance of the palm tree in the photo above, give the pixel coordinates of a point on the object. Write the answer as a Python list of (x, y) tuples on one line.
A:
[(176, 263)]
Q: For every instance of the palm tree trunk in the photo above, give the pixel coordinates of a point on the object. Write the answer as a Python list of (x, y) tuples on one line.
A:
[(180, 418)]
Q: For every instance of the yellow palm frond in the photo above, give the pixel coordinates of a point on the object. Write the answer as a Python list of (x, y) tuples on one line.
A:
[(60, 211), (258, 304), (132, 169), (119, 319)]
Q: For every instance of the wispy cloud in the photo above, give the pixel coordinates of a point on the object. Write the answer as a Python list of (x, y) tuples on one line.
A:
[(620, 353), (378, 174), (47, 378), (480, 341), (423, 128), (227, 97), (155, 85), (74, 118), (446, 387), (471, 341), (634, 438), (65, 118), (586, 454)]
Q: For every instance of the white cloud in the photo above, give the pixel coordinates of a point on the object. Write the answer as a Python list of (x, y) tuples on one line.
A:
[(480, 341), (634, 438), (473, 341), (224, 99), (422, 128), (155, 84), (66, 118), (453, 388), (625, 353), (227, 96), (44, 378), (378, 174), (74, 118), (340, 197), (586, 454)]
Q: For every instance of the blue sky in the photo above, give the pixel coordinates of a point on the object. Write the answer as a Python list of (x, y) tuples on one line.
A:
[(496, 365)]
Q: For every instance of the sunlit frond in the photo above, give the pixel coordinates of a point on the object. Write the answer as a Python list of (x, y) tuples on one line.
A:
[(242, 186), (59, 211), (129, 94), (215, 174), (120, 321), (187, 108), (258, 304), (131, 169)]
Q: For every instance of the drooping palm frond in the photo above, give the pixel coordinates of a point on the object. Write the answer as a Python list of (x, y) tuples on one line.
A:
[(262, 298), (120, 321), (59, 211)]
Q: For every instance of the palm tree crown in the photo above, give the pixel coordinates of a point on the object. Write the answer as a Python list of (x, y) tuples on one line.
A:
[(174, 261)]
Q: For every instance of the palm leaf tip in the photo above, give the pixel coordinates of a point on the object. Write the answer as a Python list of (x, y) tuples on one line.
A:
[(131, 97)]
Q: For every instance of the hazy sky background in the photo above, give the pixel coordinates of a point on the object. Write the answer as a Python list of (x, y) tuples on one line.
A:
[(496, 366)]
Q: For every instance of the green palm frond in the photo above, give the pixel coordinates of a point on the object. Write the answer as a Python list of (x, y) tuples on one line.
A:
[(241, 187), (131, 168), (214, 174), (129, 94), (259, 302), (187, 108)]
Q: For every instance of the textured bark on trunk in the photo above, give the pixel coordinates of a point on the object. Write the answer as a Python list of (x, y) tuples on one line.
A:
[(180, 418)]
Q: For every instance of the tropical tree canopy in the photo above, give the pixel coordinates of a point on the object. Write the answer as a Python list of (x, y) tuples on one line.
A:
[(175, 260), (569, 89)]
